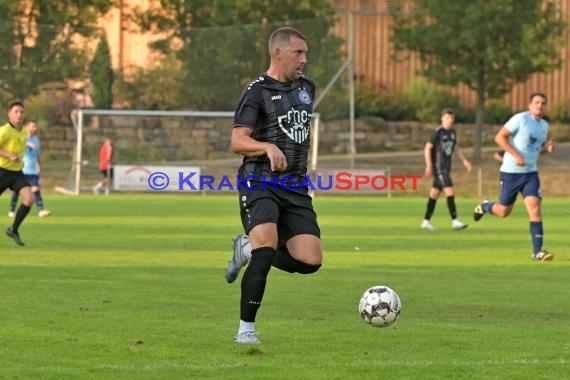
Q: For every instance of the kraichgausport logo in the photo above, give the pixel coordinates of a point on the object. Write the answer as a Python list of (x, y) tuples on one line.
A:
[(341, 181)]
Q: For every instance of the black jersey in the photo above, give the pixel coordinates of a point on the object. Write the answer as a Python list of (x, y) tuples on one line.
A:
[(444, 141), (278, 113)]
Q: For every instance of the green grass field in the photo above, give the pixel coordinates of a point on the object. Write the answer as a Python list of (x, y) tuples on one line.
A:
[(132, 286)]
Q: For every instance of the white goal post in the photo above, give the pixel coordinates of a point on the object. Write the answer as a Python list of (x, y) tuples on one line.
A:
[(132, 127)]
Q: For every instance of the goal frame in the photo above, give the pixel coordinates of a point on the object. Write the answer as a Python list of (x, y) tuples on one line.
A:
[(78, 117)]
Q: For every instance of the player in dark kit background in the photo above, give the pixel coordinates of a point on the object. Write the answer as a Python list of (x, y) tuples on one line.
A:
[(272, 131), (438, 154)]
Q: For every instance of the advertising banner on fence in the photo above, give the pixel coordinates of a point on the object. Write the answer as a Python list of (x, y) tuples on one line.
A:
[(151, 177)]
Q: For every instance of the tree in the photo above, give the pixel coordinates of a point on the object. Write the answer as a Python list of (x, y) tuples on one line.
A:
[(487, 45), (221, 45), (102, 76), (39, 41)]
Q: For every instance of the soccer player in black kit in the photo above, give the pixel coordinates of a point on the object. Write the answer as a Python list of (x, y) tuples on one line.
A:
[(272, 130), (438, 153)]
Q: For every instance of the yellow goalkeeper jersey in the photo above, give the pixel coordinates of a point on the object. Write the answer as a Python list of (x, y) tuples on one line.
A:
[(13, 141)]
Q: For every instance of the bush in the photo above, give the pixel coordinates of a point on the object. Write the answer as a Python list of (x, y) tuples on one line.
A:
[(388, 106), (38, 107), (52, 109), (429, 99), (497, 112), (560, 112), (465, 115)]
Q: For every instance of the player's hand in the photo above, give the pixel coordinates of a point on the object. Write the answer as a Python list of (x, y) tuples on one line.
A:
[(467, 165), (549, 146), (520, 160), (428, 171), (276, 158)]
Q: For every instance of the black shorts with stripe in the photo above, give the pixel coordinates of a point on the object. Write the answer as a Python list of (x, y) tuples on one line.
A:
[(442, 180), (292, 211)]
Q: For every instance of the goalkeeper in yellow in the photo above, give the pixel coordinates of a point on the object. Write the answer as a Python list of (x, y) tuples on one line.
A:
[(12, 147)]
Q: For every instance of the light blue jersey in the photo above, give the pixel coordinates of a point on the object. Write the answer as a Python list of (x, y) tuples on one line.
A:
[(528, 136), (31, 156)]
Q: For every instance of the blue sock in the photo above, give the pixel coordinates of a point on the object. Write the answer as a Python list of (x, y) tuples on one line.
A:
[(38, 199), (488, 207), (13, 201), (536, 236)]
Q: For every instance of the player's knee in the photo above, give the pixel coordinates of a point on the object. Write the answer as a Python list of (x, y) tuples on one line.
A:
[(27, 198), (304, 268)]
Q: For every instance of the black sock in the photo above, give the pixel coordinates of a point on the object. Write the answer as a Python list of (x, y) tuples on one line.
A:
[(430, 208), (284, 261), (451, 207), (23, 210), (253, 282)]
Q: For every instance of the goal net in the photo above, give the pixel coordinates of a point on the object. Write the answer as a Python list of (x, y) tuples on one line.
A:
[(146, 141)]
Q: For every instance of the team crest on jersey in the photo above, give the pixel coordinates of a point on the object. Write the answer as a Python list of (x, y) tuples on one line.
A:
[(295, 124), (447, 147), (304, 97)]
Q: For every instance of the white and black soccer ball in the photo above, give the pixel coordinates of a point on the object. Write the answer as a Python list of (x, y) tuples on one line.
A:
[(379, 306)]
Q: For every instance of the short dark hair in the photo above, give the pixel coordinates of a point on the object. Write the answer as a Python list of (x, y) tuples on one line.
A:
[(447, 111), (284, 34), (541, 94), (15, 103)]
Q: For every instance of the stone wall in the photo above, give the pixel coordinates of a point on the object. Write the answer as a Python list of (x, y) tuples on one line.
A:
[(373, 136), (187, 139)]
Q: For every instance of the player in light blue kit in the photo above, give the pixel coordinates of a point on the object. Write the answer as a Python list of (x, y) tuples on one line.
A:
[(522, 138), (31, 170)]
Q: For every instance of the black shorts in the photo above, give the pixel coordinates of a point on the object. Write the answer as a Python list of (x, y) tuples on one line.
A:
[(442, 180), (292, 211), (12, 180), (107, 173)]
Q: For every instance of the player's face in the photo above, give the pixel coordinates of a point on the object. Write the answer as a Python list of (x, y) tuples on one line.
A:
[(293, 58), (447, 120), (32, 128), (537, 106), (16, 115)]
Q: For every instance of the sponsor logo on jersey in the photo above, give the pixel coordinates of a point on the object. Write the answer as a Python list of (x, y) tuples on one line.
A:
[(447, 147), (295, 124)]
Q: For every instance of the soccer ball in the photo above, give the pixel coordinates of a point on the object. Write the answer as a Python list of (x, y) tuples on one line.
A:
[(379, 306)]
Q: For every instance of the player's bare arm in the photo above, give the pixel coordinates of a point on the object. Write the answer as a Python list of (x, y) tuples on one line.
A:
[(9, 155), (549, 146), (502, 140), (427, 158), (463, 159), (242, 143)]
